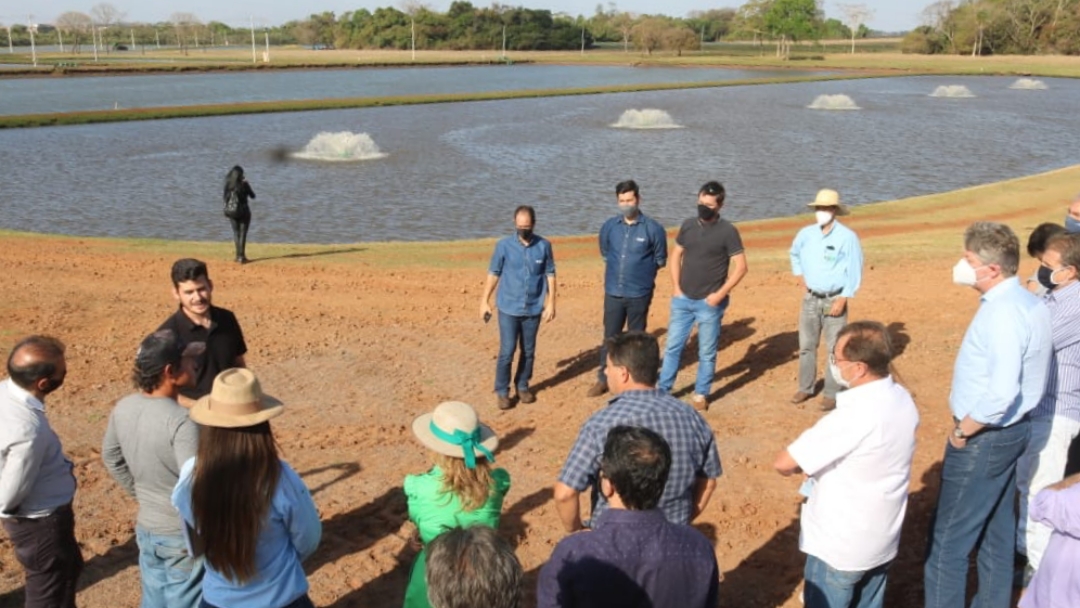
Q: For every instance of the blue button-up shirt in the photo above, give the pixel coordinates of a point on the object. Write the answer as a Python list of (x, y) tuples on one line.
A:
[(1004, 360), (290, 534), (828, 262), (636, 559), (1062, 396), (523, 271), (632, 254), (693, 448)]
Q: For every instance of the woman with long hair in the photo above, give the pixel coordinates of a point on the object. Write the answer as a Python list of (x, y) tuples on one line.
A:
[(462, 489), (247, 513), (237, 193)]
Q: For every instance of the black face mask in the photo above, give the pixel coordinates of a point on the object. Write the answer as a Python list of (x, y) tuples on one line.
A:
[(525, 234), (706, 213), (1044, 275)]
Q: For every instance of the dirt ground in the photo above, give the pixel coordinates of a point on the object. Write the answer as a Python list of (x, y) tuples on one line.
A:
[(358, 340)]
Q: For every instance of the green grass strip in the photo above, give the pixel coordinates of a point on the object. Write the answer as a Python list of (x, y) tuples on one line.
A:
[(308, 105)]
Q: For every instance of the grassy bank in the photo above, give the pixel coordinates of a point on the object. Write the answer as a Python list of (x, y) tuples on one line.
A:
[(305, 105)]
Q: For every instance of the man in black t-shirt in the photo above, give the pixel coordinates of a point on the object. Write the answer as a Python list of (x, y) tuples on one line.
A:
[(198, 320), (707, 263)]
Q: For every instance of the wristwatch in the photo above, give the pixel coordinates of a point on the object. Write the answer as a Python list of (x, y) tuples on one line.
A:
[(959, 433)]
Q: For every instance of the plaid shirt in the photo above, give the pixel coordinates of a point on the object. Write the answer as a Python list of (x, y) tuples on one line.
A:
[(693, 448)]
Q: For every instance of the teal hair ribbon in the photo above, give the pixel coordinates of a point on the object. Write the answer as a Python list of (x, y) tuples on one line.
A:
[(469, 442)]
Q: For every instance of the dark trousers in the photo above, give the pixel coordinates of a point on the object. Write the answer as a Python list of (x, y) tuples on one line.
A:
[(50, 555), (240, 229), (631, 313)]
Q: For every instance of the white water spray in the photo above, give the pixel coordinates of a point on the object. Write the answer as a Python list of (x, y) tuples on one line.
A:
[(834, 102), (953, 91), (344, 146), (1028, 84), (646, 119)]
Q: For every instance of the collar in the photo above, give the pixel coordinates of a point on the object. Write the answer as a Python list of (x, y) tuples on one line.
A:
[(24, 397), (612, 516), (847, 398), (637, 220), (998, 290), (1063, 293), (640, 391), (192, 324)]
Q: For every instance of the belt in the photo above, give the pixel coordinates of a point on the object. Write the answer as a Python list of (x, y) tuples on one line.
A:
[(823, 295)]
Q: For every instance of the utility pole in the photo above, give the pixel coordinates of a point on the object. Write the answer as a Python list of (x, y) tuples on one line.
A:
[(412, 27), (61, 36), (266, 55), (132, 38), (583, 40), (157, 38), (253, 59), (504, 41), (32, 27), (10, 49), (94, 34)]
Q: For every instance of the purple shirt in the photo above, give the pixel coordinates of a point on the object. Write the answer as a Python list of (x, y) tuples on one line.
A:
[(1056, 584), (636, 559)]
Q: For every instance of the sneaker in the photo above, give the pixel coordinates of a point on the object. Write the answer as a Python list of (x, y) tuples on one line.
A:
[(828, 404), (526, 397), (800, 397), (699, 403), (597, 389), (503, 401)]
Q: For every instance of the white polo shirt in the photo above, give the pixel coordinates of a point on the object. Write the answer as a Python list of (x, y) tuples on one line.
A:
[(859, 456)]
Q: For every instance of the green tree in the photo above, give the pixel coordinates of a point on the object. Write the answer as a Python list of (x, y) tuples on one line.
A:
[(790, 21)]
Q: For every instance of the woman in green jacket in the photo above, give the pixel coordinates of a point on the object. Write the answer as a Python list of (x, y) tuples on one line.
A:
[(462, 489)]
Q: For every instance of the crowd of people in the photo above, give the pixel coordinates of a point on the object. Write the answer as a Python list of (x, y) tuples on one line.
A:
[(224, 522)]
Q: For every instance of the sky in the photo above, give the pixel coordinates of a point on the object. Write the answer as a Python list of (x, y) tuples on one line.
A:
[(890, 15)]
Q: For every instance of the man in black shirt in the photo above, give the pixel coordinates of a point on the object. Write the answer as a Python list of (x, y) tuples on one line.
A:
[(707, 263), (198, 320)]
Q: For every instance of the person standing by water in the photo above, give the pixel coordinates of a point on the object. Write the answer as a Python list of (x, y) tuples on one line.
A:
[(237, 193)]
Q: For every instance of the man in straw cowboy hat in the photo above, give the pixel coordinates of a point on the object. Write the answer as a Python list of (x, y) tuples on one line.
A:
[(246, 510), (828, 256), (461, 489), (148, 438)]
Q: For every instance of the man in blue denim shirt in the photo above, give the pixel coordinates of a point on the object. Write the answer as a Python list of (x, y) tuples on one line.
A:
[(634, 247), (523, 268)]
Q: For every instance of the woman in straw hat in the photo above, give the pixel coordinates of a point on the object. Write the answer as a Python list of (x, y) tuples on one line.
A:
[(247, 512), (461, 489)]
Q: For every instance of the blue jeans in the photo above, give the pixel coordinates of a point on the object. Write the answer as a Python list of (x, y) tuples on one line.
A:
[(171, 578), (684, 314), (976, 509), (827, 587), (514, 331)]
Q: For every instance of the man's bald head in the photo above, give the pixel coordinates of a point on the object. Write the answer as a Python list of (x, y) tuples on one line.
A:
[(36, 364)]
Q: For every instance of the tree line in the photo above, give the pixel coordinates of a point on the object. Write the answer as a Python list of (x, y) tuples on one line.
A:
[(984, 27), (412, 24)]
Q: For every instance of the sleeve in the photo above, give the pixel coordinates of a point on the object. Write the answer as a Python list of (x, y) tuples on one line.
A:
[(710, 468), (305, 529), (603, 238), (241, 344), (1005, 333), (734, 242), (548, 586), (795, 253), (1066, 332), (579, 471), (853, 276), (1059, 509), (250, 191), (680, 239), (498, 258), (185, 440), (21, 466), (832, 438), (549, 262), (659, 245), (113, 457)]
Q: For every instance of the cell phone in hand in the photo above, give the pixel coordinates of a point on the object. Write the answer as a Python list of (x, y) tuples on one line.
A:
[(487, 317)]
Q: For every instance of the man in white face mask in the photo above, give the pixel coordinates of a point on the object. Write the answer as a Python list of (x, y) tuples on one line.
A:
[(828, 257), (1000, 375), (858, 463)]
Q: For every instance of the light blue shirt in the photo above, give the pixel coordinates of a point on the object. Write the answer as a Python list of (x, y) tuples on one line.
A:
[(290, 535), (523, 271), (1004, 360), (828, 262)]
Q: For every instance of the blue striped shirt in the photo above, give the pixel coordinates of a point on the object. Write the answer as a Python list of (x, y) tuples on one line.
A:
[(1062, 396), (1001, 369), (693, 448), (828, 262)]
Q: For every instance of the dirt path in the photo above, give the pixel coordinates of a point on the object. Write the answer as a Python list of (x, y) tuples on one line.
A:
[(360, 340)]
